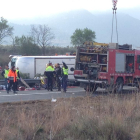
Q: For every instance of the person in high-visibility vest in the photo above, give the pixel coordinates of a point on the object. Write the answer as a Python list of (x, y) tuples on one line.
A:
[(49, 74), (64, 76), (5, 75), (18, 78), (12, 78)]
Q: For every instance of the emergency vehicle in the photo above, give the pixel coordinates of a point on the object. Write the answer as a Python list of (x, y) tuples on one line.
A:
[(107, 66)]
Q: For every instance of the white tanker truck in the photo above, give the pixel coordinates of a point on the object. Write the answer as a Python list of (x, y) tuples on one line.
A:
[(33, 65)]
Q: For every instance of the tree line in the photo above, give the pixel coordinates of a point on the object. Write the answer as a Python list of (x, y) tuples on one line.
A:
[(38, 42)]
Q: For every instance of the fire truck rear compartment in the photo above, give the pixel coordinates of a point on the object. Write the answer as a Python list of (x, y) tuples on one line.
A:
[(91, 64), (124, 63)]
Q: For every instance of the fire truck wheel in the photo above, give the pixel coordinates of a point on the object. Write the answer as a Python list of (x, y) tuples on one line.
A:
[(88, 88), (119, 86), (91, 88), (94, 88), (138, 85), (110, 89)]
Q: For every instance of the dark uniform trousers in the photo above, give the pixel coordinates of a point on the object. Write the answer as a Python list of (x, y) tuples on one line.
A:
[(49, 82), (64, 82), (12, 83), (17, 83), (58, 82)]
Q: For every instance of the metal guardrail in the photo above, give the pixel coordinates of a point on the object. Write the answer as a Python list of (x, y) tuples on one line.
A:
[(28, 81)]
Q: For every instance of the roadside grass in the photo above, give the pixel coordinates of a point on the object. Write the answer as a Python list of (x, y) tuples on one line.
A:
[(111, 117)]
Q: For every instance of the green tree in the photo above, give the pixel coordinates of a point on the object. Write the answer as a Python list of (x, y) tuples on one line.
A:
[(5, 29), (26, 46), (80, 36)]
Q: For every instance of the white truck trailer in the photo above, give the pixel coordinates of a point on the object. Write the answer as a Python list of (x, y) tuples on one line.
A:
[(33, 65)]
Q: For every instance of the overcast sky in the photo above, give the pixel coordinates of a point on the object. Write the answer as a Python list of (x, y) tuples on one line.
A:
[(13, 9)]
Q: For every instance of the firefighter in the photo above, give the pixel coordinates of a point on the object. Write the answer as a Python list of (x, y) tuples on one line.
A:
[(5, 75), (64, 76), (18, 78), (49, 74), (12, 78), (58, 76)]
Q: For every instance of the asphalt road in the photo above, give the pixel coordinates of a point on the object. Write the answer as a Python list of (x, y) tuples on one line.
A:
[(44, 94)]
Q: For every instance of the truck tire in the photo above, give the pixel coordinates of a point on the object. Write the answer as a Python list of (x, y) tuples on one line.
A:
[(138, 84), (110, 89), (91, 88), (119, 86), (87, 88), (94, 88)]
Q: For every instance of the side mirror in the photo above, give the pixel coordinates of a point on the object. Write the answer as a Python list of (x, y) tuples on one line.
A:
[(71, 69)]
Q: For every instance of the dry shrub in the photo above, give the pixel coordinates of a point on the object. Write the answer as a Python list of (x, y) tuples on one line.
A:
[(136, 133), (111, 117), (93, 129), (26, 121)]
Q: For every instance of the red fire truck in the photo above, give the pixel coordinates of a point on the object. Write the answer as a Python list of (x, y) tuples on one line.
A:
[(107, 66)]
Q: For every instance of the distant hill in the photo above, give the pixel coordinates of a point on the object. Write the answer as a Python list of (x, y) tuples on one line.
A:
[(63, 25)]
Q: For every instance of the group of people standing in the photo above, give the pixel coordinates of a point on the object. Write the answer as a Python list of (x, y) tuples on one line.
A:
[(11, 77), (60, 75)]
